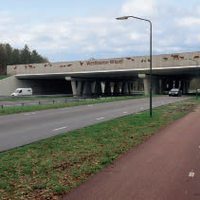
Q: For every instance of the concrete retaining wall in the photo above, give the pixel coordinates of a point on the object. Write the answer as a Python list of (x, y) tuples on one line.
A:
[(9, 85)]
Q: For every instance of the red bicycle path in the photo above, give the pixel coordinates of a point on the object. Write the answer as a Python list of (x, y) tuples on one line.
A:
[(165, 167)]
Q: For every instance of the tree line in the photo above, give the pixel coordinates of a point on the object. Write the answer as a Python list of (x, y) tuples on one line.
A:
[(12, 56)]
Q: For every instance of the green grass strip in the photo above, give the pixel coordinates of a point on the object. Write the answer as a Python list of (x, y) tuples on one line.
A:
[(51, 168), (3, 76), (34, 98), (20, 109)]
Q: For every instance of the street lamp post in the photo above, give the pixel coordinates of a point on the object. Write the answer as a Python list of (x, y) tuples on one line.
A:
[(150, 85)]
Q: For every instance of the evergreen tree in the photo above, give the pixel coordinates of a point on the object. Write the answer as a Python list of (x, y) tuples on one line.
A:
[(8, 53), (3, 62), (36, 58), (10, 56), (25, 55), (16, 57)]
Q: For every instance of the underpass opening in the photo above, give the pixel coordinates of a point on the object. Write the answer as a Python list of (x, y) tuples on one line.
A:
[(49, 86)]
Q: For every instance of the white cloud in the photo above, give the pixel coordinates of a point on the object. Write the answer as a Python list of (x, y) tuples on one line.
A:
[(135, 36), (188, 21), (198, 37), (102, 35), (6, 18), (170, 49), (167, 41), (198, 9), (139, 7)]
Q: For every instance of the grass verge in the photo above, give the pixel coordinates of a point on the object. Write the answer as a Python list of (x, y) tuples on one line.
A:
[(51, 168), (3, 76), (34, 98), (20, 109)]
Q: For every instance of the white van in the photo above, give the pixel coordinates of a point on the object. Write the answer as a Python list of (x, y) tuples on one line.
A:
[(22, 92)]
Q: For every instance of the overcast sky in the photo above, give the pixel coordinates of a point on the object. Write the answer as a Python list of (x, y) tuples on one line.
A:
[(67, 30)]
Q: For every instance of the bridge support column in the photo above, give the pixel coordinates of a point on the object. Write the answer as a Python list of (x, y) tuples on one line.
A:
[(162, 86), (169, 83), (103, 87), (96, 88), (93, 87), (176, 83), (188, 86), (146, 82), (112, 85), (182, 87), (116, 88), (130, 86), (125, 90), (165, 85), (185, 86), (107, 88), (73, 84), (76, 86), (155, 85), (79, 88), (87, 89)]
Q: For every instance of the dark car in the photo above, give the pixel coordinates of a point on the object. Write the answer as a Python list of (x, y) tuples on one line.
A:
[(175, 92)]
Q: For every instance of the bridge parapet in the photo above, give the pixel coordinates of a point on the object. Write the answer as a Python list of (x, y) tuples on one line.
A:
[(138, 62)]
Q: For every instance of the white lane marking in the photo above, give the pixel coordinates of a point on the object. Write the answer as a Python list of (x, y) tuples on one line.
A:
[(125, 112), (199, 147), (191, 174), (57, 129), (90, 105), (30, 113), (100, 118)]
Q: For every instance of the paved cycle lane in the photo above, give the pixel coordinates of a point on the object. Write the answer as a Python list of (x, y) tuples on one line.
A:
[(165, 167)]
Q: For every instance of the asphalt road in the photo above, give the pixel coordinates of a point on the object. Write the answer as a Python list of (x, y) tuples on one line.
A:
[(21, 129), (165, 167)]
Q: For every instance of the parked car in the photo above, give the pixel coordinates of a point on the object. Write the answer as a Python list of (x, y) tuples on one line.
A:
[(175, 92)]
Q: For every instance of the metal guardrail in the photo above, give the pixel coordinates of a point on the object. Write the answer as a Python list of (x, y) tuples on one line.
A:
[(76, 98), (39, 102)]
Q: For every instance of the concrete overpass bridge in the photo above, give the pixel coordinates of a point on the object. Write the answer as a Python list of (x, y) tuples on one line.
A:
[(104, 76)]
